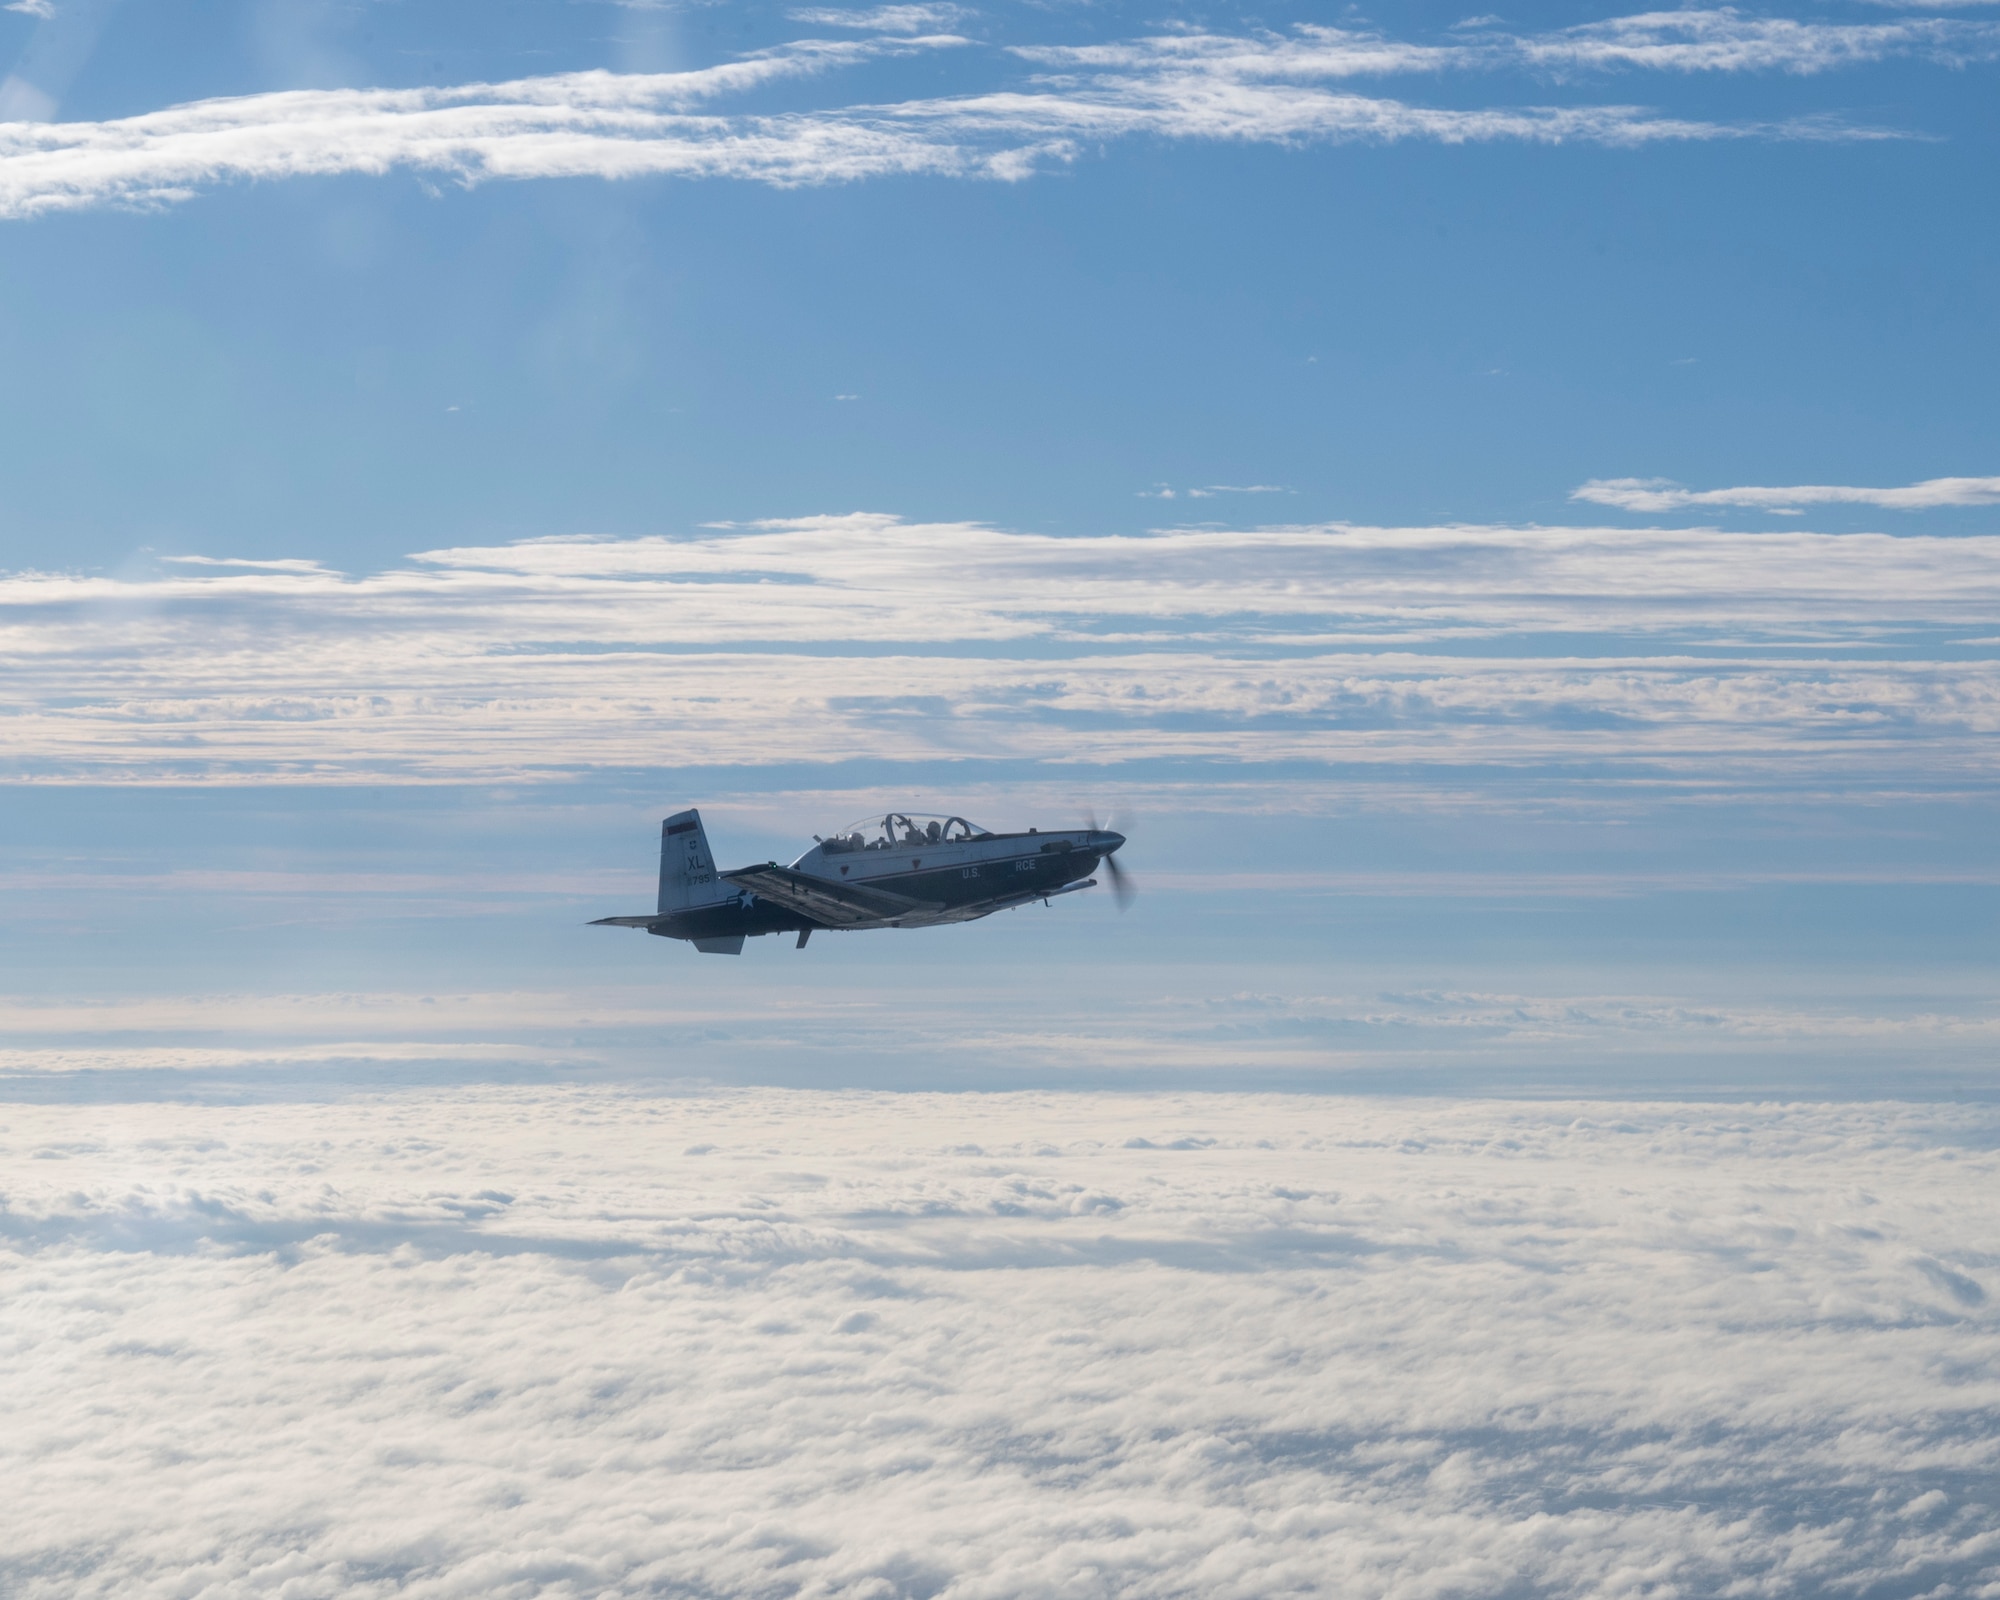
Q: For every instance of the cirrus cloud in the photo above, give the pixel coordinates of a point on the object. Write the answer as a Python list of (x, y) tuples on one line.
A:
[(1264, 88), (1662, 494), (882, 19)]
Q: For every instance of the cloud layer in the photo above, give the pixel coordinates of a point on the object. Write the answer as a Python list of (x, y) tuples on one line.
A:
[(1851, 659), (1263, 88), (1211, 1021), (515, 1342), (1660, 494)]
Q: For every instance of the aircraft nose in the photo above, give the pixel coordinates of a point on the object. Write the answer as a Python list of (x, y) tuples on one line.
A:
[(1110, 843)]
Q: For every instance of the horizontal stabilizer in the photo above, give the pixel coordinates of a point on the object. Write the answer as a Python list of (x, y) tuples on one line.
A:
[(646, 921)]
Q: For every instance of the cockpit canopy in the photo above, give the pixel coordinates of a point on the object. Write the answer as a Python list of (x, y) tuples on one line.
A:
[(899, 830)]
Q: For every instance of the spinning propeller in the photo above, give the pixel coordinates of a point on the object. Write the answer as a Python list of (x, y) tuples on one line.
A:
[(1122, 888)]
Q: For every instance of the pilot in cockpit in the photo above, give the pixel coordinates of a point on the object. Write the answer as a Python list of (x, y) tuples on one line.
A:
[(932, 830)]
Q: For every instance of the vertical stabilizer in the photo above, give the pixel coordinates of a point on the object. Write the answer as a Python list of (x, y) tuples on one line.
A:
[(687, 870)]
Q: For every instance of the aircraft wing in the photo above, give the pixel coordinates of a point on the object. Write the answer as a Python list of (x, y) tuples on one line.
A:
[(833, 905), (646, 921), (986, 908)]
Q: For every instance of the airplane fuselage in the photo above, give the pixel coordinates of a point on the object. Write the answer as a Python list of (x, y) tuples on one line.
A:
[(898, 871), (962, 879)]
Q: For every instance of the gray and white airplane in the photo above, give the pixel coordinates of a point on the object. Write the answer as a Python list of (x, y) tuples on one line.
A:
[(902, 870)]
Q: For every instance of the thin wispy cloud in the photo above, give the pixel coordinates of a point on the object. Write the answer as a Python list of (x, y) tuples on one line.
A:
[(1210, 491), (1727, 40), (1205, 1030), (292, 564), (844, 638), (1661, 494), (595, 124), (1265, 88), (883, 19), (1690, 41)]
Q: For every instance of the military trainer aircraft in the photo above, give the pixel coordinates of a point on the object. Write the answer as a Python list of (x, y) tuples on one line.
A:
[(902, 870)]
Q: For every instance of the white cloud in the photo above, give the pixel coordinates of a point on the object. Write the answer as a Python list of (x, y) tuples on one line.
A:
[(883, 19), (21, 101), (1264, 89), (293, 564), (509, 1341), (1660, 494), (1694, 40), (600, 124), (1726, 40), (851, 637), (1209, 491), (1207, 1024)]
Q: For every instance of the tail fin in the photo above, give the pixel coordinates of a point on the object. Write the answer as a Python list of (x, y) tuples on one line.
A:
[(687, 870)]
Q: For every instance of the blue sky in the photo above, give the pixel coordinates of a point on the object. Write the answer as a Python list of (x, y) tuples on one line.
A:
[(1504, 503), (1789, 290)]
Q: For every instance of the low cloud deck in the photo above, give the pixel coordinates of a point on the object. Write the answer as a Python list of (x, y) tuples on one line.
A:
[(588, 1340)]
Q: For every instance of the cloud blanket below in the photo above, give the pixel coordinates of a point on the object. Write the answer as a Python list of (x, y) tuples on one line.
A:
[(582, 1342)]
